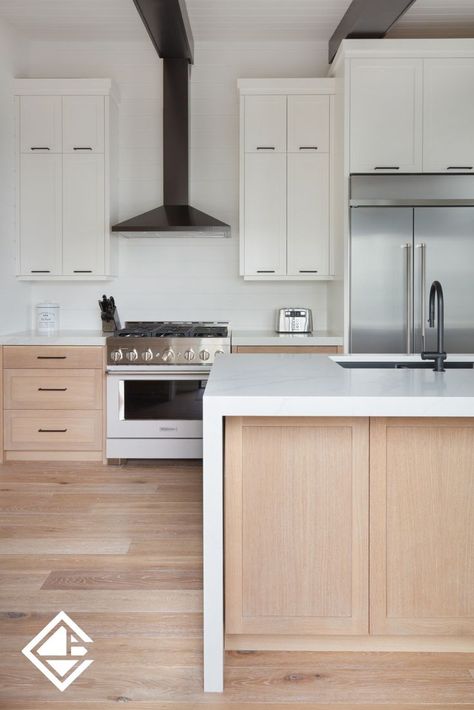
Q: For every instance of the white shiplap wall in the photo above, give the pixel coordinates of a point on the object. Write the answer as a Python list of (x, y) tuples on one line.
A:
[(180, 278), (14, 296)]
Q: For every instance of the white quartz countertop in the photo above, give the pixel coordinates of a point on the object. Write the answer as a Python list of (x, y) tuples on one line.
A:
[(63, 337), (269, 337), (316, 385)]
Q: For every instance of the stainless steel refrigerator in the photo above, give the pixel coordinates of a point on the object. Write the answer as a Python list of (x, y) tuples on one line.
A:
[(407, 231)]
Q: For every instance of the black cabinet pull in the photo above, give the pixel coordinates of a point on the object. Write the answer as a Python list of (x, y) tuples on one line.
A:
[(51, 357), (52, 389), (265, 271), (78, 147), (40, 271), (460, 167), (308, 147), (52, 431), (82, 271), (308, 271), (387, 167), (265, 147), (40, 147)]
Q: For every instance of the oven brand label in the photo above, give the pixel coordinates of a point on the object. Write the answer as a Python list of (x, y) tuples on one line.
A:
[(168, 428)]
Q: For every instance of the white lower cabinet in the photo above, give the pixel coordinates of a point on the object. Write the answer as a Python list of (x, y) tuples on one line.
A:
[(265, 214), (308, 214), (83, 214), (40, 214)]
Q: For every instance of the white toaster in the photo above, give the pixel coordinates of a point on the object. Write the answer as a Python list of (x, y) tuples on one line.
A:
[(294, 320)]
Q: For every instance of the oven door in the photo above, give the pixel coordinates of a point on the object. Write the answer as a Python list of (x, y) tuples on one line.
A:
[(155, 405)]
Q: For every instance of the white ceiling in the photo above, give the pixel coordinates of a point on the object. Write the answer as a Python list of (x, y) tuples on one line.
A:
[(227, 20)]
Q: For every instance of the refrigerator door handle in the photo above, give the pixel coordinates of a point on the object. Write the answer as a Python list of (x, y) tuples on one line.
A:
[(422, 248), (409, 295)]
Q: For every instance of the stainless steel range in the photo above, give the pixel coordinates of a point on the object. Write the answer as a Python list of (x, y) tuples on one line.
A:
[(157, 374)]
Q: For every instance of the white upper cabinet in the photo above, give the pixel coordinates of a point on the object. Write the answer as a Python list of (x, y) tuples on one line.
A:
[(265, 214), (308, 124), (83, 214), (83, 124), (386, 115), (308, 214), (40, 124), (40, 216), (265, 124), (448, 115)]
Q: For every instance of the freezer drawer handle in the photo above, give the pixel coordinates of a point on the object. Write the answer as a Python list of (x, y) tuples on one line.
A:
[(52, 389), (387, 167), (52, 431)]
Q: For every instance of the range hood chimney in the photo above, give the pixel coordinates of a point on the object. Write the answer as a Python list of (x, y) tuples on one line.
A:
[(168, 26)]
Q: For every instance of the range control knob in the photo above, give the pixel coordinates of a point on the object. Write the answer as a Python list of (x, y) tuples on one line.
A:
[(132, 355), (189, 355), (116, 355), (204, 355), (167, 356), (147, 355), (219, 352)]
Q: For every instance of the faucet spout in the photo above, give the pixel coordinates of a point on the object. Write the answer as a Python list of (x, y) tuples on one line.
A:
[(436, 299)]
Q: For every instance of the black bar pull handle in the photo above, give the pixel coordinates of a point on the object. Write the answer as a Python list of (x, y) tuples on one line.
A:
[(387, 167), (265, 147), (40, 271), (82, 271), (460, 167), (308, 271), (265, 271), (52, 431), (51, 357), (52, 389), (82, 147), (40, 147), (308, 147)]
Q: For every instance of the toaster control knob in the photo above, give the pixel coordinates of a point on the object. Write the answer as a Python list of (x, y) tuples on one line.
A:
[(132, 355), (167, 355), (147, 355), (204, 355), (116, 355), (189, 355)]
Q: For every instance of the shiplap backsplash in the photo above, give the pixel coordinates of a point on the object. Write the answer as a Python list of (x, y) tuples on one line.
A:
[(187, 278)]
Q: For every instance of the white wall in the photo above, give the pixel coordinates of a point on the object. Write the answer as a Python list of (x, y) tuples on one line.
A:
[(14, 296), (180, 278)]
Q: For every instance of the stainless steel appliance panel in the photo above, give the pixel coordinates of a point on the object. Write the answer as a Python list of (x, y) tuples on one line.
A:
[(444, 251), (381, 280)]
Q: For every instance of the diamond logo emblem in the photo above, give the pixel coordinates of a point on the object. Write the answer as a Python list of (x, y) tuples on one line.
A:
[(58, 651)]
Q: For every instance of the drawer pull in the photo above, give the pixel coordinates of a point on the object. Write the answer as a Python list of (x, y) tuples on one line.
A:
[(308, 271), (51, 357), (78, 147), (265, 147), (40, 147), (459, 167), (40, 271), (83, 271), (52, 389), (265, 271), (308, 147), (52, 431)]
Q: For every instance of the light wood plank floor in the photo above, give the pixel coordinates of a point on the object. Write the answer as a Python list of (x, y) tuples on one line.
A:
[(119, 549)]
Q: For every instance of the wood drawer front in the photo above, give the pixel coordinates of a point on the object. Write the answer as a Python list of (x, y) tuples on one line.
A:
[(52, 389), (58, 430), (54, 356), (281, 349)]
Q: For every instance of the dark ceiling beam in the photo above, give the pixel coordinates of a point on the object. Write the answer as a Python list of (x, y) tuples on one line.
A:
[(367, 19), (168, 25)]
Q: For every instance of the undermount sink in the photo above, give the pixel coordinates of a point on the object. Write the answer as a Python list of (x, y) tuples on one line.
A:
[(418, 365)]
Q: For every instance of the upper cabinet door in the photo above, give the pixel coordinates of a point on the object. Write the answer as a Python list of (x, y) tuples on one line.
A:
[(308, 124), (386, 115), (308, 215), (265, 215), (448, 115), (39, 222), (265, 124), (40, 124), (83, 214), (83, 124)]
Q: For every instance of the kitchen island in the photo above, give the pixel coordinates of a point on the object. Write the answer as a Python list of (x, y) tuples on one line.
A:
[(311, 562)]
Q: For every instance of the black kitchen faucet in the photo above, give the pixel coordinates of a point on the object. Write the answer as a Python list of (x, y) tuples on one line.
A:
[(436, 294)]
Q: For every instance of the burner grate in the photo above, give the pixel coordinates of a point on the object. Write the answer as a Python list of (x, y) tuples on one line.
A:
[(147, 329)]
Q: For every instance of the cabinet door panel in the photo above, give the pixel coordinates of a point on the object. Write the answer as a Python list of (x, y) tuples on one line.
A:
[(448, 115), (265, 124), (308, 214), (40, 124), (296, 500), (422, 526), (83, 214), (265, 214), (308, 123), (40, 214), (385, 115), (83, 124)]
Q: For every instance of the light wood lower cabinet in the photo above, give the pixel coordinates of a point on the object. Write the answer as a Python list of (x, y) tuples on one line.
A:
[(296, 526), (52, 389), (289, 349), (53, 431), (422, 526), (300, 528)]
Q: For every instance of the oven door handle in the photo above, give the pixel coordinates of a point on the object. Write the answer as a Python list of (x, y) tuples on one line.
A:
[(157, 374)]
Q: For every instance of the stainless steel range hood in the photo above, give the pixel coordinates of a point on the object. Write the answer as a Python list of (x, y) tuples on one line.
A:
[(168, 27)]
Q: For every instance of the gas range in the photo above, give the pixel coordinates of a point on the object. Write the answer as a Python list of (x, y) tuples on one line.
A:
[(162, 343)]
